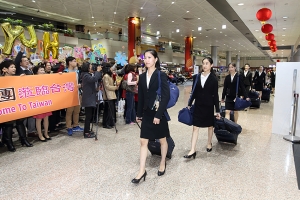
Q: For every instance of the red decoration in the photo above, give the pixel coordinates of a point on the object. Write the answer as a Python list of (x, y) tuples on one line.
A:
[(270, 36), (278, 60), (272, 43), (264, 14), (267, 28)]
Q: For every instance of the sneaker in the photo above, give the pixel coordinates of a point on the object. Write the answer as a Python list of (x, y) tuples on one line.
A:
[(70, 131), (89, 135), (77, 129)]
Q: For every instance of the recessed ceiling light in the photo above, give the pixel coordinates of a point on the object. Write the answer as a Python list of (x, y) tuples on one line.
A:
[(194, 37), (240, 4), (177, 30), (192, 30), (282, 40), (283, 28), (220, 31), (187, 11), (142, 8), (199, 28), (256, 30), (206, 36), (14, 7), (198, 17), (31, 18), (224, 26), (283, 35), (225, 35), (173, 2), (33, 1), (215, 28), (92, 17), (282, 44), (172, 21), (115, 12), (284, 17), (158, 15), (158, 32)]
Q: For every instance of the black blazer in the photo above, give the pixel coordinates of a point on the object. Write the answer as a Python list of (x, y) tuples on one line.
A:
[(273, 77), (259, 79), (209, 94), (19, 70), (229, 89), (247, 80), (147, 96)]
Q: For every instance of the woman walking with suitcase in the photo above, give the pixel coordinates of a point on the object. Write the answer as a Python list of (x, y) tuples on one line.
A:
[(229, 90), (151, 112), (259, 80), (206, 102)]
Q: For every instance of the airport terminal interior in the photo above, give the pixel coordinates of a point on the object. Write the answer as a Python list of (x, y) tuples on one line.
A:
[(261, 165)]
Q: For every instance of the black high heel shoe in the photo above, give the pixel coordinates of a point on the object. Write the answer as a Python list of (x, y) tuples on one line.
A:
[(209, 149), (24, 142), (192, 155), (159, 173), (136, 181)]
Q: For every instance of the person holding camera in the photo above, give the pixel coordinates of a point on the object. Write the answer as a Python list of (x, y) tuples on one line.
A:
[(109, 97), (90, 74)]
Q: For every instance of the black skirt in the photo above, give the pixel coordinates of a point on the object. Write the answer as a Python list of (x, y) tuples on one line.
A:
[(203, 116), (152, 131), (229, 103), (259, 86)]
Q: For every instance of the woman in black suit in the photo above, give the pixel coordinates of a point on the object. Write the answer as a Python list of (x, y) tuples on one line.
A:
[(206, 102), (273, 79), (229, 90), (246, 77), (152, 113), (259, 80)]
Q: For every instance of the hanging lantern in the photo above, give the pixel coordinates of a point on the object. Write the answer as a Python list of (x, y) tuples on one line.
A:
[(264, 14), (269, 42), (273, 43), (267, 28), (270, 36), (278, 60)]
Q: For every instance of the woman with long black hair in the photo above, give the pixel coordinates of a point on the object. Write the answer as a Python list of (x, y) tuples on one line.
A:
[(151, 112), (206, 102)]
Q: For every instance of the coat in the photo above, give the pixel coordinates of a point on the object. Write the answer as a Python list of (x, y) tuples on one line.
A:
[(247, 80), (147, 96), (209, 94), (259, 79), (89, 90), (109, 88), (229, 89), (19, 70)]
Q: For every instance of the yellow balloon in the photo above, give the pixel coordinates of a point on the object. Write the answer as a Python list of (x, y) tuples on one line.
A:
[(32, 43), (50, 46), (10, 36)]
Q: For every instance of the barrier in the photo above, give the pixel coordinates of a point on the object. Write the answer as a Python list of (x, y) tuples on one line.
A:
[(24, 96)]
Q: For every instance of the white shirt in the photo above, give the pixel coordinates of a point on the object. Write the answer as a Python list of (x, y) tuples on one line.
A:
[(232, 77), (203, 79), (245, 73), (148, 78), (259, 73)]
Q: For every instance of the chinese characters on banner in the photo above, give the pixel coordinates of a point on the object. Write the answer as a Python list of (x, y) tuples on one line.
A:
[(31, 95)]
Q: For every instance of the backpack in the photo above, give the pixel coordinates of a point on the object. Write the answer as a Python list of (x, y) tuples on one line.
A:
[(174, 92)]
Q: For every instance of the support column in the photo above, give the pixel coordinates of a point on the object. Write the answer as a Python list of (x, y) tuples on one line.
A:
[(237, 62), (228, 57), (134, 39), (292, 53), (188, 54), (296, 57), (214, 55)]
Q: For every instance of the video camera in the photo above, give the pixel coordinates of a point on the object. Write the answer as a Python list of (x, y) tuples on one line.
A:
[(98, 62)]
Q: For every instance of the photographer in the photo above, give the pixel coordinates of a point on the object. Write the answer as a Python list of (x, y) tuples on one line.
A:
[(90, 74), (109, 96)]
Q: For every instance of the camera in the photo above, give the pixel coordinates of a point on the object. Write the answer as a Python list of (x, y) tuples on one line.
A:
[(94, 67), (99, 60)]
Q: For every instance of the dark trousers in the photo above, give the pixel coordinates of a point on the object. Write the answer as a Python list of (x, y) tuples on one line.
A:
[(54, 119), (109, 114), (130, 109), (247, 88), (88, 118)]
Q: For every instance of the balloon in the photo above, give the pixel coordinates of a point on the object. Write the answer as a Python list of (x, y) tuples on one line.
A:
[(50, 46), (10, 36), (264, 14), (267, 28), (32, 43)]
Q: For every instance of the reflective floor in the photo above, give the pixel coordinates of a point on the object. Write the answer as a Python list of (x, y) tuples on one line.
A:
[(260, 166)]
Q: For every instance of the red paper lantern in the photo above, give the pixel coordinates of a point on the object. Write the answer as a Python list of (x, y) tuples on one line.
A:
[(272, 43), (278, 60), (264, 14), (270, 36), (267, 28)]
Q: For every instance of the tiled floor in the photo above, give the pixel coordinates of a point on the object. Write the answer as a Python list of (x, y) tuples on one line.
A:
[(261, 166)]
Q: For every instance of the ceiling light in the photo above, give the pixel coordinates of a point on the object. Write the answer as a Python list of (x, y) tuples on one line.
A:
[(283, 35), (282, 44), (172, 21), (240, 4), (95, 29), (187, 11), (158, 32), (192, 30), (115, 12), (284, 17), (220, 31), (194, 37), (283, 28), (142, 8), (225, 35), (149, 24), (173, 2), (92, 17), (256, 30), (282, 40), (14, 7), (224, 26), (206, 36), (215, 28), (199, 28), (198, 17), (33, 1), (177, 30), (158, 15)]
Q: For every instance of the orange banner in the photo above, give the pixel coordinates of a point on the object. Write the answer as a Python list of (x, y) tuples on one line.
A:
[(25, 96)]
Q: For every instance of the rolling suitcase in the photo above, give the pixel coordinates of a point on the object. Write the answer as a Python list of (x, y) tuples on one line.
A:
[(255, 103), (253, 94), (154, 147), (266, 94), (227, 131)]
